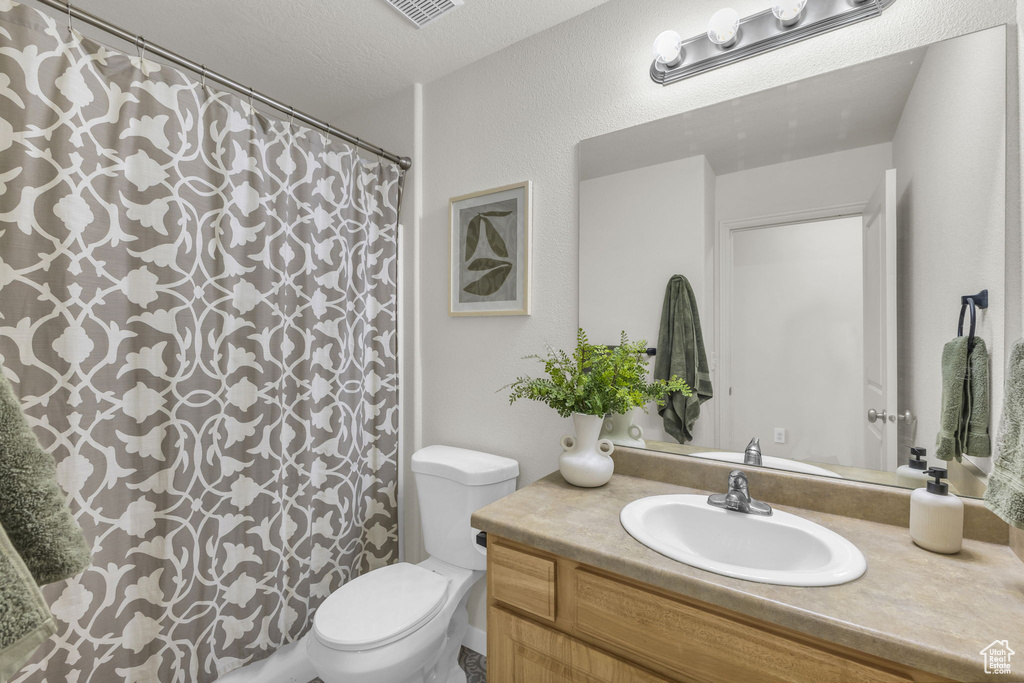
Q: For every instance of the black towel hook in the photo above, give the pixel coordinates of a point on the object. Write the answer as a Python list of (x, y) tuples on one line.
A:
[(974, 301)]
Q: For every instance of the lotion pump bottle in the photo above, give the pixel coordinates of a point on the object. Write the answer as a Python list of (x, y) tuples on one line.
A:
[(914, 474), (937, 516)]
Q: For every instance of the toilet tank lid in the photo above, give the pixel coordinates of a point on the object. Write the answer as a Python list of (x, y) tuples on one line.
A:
[(472, 468)]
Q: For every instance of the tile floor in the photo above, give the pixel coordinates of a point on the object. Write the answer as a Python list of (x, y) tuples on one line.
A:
[(475, 666)]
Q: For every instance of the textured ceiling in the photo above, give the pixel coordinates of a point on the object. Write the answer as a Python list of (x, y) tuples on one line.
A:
[(853, 107), (330, 56)]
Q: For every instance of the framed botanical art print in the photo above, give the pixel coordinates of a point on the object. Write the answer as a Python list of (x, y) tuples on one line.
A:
[(490, 252)]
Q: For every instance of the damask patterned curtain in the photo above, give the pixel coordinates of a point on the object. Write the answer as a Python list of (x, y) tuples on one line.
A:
[(198, 312)]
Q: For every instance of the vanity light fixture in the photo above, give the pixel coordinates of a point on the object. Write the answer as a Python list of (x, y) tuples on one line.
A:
[(724, 27), (788, 11), (668, 49), (730, 39)]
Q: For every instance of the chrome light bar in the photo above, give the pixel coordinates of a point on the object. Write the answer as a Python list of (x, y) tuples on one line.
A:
[(762, 32)]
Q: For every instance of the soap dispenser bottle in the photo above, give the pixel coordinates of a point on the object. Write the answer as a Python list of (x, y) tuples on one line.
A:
[(937, 516), (914, 474)]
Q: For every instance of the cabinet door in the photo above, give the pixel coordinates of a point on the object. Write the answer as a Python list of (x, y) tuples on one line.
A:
[(520, 651)]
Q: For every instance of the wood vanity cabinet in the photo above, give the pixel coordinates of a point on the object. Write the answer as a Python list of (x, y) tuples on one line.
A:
[(553, 620)]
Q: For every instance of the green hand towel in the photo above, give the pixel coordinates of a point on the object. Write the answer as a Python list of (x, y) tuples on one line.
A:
[(1005, 493), (963, 423), (954, 377), (25, 620), (681, 354), (33, 510), (977, 443)]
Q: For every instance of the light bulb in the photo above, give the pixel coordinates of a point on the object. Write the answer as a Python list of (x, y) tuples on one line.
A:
[(724, 27), (668, 48), (788, 11)]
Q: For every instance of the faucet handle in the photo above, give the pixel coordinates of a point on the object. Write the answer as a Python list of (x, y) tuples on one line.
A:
[(738, 497), (754, 445), (737, 478), (738, 483)]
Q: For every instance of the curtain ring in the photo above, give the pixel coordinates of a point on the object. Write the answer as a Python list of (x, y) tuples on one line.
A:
[(250, 97), (141, 51), (202, 78), (291, 115), (71, 27)]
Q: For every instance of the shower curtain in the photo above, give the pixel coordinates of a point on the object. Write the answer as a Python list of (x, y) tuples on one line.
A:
[(198, 312)]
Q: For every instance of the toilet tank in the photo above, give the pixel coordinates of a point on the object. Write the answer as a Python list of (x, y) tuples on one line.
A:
[(451, 484)]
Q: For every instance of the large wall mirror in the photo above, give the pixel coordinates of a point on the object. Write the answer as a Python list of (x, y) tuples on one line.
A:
[(828, 229)]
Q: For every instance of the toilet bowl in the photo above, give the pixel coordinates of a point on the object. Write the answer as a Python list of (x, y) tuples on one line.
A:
[(405, 623)]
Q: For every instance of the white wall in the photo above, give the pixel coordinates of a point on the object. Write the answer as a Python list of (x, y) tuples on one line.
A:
[(797, 361), (520, 114), (952, 217), (642, 227), (825, 181)]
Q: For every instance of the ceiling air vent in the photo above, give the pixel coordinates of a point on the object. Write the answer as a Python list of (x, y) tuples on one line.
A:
[(422, 12)]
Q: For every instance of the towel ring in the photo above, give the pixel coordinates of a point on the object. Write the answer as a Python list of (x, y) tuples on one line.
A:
[(974, 321), (974, 301)]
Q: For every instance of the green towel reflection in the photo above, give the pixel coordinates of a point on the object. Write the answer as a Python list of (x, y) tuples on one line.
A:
[(681, 354)]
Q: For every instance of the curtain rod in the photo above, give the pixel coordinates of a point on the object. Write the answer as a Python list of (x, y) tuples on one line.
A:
[(405, 163)]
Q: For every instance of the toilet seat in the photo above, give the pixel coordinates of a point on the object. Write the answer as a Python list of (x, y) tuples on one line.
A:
[(380, 607)]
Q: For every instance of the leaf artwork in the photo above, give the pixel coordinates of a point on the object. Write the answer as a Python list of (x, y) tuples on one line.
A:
[(472, 236), (498, 271), (486, 264), (490, 283)]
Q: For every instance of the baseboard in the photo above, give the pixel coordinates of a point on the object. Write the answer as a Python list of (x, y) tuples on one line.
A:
[(476, 640), (288, 665)]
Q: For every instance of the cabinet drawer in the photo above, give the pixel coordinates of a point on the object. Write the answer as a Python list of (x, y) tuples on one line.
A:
[(522, 580), (520, 651), (706, 645)]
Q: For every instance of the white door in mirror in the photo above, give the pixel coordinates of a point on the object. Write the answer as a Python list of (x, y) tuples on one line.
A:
[(783, 549)]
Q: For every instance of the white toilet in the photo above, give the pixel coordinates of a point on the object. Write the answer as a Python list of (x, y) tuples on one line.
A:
[(405, 623)]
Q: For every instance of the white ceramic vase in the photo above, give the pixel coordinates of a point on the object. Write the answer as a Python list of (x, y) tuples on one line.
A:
[(620, 429), (586, 457)]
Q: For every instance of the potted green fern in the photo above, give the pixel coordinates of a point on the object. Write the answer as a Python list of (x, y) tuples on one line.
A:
[(593, 382)]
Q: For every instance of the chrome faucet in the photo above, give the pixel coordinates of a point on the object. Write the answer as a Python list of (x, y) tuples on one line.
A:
[(752, 456), (738, 498)]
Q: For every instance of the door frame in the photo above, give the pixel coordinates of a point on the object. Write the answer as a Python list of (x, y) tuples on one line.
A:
[(723, 291)]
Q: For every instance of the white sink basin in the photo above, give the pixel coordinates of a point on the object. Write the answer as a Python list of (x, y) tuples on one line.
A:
[(782, 549), (772, 462)]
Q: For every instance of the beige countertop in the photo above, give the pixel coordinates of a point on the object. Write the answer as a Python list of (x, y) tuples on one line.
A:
[(933, 612)]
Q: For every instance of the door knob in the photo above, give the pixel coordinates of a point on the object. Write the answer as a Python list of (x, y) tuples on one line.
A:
[(874, 415)]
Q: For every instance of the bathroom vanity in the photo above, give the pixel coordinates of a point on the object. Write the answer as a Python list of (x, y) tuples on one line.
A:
[(611, 628), (573, 597)]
